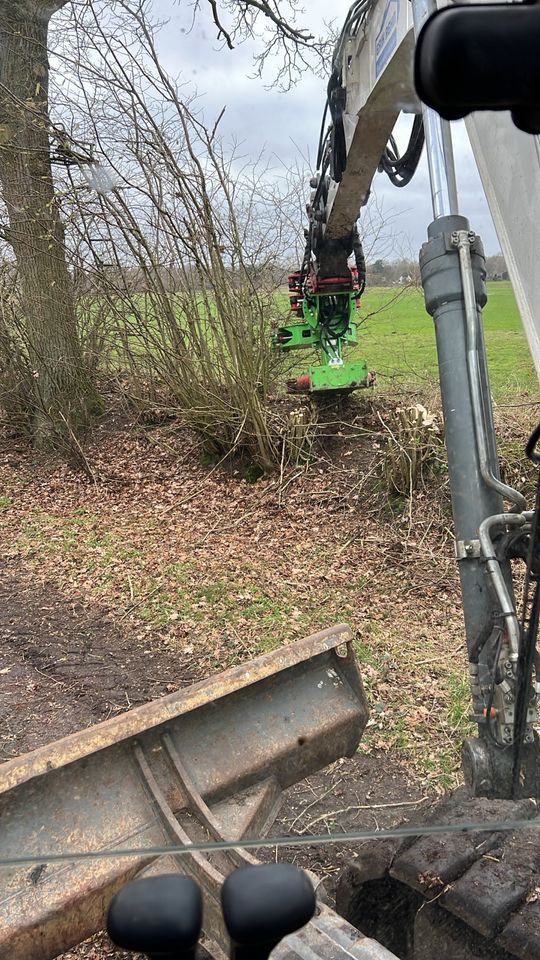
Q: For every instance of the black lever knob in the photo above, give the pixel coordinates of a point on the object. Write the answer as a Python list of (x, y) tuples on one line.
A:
[(263, 904), (159, 916)]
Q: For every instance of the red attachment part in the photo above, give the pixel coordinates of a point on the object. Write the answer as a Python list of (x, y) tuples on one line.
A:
[(338, 284), (323, 282), (300, 385), (295, 291)]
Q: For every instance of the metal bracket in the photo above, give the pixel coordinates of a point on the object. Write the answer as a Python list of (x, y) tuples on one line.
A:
[(460, 236), (467, 549)]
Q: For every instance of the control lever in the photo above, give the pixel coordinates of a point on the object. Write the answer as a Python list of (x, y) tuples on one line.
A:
[(159, 916), (263, 904)]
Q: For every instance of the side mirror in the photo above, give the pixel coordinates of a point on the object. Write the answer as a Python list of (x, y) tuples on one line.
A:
[(482, 57)]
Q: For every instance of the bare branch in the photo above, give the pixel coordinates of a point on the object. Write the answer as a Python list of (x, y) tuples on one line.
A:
[(221, 29), (275, 23)]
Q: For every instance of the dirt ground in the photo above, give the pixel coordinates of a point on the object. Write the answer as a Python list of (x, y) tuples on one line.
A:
[(66, 665), (162, 572)]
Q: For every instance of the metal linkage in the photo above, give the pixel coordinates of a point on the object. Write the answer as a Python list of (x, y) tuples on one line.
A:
[(495, 574), (500, 708), (500, 713)]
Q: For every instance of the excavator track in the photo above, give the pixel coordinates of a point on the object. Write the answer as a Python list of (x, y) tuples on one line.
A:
[(462, 896)]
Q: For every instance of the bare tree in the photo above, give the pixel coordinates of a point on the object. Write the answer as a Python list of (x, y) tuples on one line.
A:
[(62, 393), (279, 24), (62, 390), (180, 257)]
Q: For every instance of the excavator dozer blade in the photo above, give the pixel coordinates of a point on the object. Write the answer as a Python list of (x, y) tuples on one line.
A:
[(209, 761)]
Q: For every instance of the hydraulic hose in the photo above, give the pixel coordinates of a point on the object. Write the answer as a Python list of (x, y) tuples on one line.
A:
[(493, 570), (462, 240)]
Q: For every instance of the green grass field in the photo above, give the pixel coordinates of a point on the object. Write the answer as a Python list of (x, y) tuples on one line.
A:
[(398, 341)]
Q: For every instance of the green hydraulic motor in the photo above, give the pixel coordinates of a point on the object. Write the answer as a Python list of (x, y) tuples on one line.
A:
[(327, 306)]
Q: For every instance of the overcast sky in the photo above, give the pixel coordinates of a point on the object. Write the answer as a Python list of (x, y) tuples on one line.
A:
[(286, 124)]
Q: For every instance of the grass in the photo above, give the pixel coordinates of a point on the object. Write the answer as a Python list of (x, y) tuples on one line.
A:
[(397, 338), (159, 594)]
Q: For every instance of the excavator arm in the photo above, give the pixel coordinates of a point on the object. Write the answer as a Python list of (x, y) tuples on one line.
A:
[(370, 79)]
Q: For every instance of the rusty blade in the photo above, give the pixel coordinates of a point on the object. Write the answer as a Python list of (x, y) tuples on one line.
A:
[(242, 736)]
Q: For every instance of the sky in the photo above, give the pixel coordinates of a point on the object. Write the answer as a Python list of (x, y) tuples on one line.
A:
[(285, 125)]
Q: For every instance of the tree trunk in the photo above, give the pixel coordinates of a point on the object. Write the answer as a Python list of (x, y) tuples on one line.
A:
[(65, 397)]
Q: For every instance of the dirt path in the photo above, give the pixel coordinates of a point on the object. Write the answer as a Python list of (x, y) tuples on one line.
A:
[(65, 666)]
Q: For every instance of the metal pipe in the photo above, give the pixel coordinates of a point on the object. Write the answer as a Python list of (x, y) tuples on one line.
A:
[(440, 164), (462, 240), (493, 569), (438, 136)]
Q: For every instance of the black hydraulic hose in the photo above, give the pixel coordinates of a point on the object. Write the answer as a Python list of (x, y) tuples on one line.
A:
[(528, 655), (322, 138), (359, 260), (401, 169)]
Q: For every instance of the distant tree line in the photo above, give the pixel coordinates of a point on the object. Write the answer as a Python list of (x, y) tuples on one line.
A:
[(380, 273), (390, 273)]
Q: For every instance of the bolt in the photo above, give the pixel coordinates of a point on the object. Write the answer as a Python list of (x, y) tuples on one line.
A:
[(468, 548), (507, 734)]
